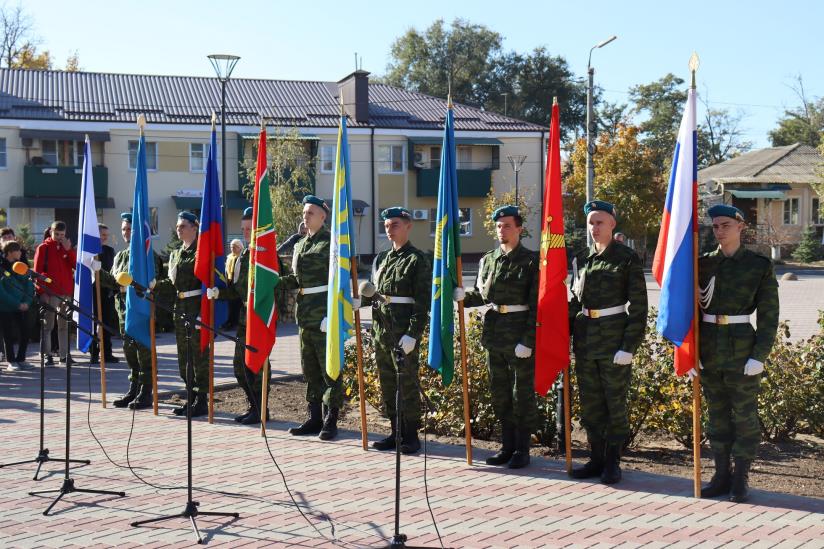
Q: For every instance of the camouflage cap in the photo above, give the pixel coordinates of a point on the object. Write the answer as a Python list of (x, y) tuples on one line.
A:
[(395, 211), (247, 213), (505, 211), (600, 206), (188, 216), (725, 210), (126, 216), (312, 199)]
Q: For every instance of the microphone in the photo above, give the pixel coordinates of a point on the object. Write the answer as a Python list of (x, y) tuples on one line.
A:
[(125, 279), (367, 289), (21, 268)]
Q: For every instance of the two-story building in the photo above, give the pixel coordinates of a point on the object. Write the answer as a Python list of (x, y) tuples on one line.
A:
[(394, 141)]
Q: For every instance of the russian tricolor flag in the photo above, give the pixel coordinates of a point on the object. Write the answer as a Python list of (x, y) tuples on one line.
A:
[(674, 266)]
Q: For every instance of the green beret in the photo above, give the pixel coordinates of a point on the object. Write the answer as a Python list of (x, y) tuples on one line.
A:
[(126, 216), (600, 206), (505, 211), (725, 210), (188, 216), (312, 199), (395, 211), (247, 213)]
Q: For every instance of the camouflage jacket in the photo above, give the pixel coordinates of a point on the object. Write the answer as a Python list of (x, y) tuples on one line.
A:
[(738, 285), (181, 278), (402, 273), (310, 268), (109, 280), (237, 287), (609, 279), (507, 279)]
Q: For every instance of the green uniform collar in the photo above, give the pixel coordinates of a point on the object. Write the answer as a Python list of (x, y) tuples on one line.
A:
[(737, 256), (403, 249), (593, 251), (317, 236), (499, 252)]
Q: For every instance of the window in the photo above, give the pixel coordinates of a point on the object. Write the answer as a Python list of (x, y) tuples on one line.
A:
[(60, 153), (464, 158), (791, 211), (197, 157), (435, 158), (815, 215), (390, 158), (151, 155), (3, 152), (466, 221), (327, 158)]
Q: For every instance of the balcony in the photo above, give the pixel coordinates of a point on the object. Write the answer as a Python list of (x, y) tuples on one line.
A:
[(471, 183), (62, 181)]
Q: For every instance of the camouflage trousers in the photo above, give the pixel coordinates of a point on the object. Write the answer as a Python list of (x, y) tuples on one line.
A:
[(319, 386), (200, 359), (245, 377), (139, 359), (410, 394), (512, 388), (603, 389), (732, 401)]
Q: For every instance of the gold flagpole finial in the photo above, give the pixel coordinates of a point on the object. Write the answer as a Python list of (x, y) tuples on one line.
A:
[(86, 138), (214, 120), (342, 110), (262, 123), (141, 122), (449, 104), (555, 100), (694, 63)]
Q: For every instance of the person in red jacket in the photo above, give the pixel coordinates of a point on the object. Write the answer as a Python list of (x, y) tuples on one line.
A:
[(56, 259)]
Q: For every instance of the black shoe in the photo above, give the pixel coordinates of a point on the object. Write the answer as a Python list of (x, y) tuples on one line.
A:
[(65, 359), (410, 443), (49, 360), (330, 425), (126, 399), (386, 443), (201, 405), (520, 458), (612, 470), (740, 493), (112, 359), (313, 423), (253, 418), (507, 446), (94, 359), (181, 410), (244, 415), (143, 399), (721, 481), (595, 466)]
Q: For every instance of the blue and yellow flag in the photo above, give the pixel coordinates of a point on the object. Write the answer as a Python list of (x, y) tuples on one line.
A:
[(447, 251), (340, 317)]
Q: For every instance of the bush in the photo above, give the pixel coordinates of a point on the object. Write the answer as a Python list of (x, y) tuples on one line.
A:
[(809, 249)]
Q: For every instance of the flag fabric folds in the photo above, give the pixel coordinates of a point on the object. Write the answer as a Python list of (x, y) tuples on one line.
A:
[(445, 267), (675, 255), (552, 323), (340, 319), (264, 269), (209, 257), (141, 255), (88, 247)]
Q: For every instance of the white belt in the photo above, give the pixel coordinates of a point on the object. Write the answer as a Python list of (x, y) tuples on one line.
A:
[(190, 293), (506, 309), (313, 290), (725, 319), (399, 300), (598, 313)]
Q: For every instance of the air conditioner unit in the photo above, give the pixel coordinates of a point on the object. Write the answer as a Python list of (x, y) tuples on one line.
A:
[(421, 159), (420, 215)]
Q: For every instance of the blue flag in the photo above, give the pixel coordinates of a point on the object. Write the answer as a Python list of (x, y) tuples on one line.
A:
[(88, 247), (141, 256)]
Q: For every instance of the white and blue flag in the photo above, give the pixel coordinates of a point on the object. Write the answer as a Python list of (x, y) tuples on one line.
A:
[(87, 248)]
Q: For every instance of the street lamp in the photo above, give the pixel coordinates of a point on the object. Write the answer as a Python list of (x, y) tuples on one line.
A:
[(590, 120), (516, 161), (223, 64)]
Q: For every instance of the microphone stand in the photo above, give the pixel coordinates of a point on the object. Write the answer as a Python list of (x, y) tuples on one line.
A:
[(68, 485), (191, 510)]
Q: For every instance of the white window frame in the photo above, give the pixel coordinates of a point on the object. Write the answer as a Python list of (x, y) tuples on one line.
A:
[(327, 156), (788, 211), (149, 156), (386, 163), (192, 157), (4, 160), (466, 228)]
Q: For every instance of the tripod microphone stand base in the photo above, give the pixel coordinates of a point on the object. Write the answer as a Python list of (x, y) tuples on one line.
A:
[(190, 512), (68, 488), (43, 457)]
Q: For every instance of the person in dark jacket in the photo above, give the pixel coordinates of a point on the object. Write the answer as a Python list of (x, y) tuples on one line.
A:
[(16, 297)]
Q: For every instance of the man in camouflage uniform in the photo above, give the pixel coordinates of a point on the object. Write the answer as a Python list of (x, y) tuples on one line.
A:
[(138, 356), (237, 288), (310, 275), (734, 283), (608, 313), (403, 276), (508, 281), (188, 289)]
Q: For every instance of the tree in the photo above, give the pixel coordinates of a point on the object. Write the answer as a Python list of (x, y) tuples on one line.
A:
[(662, 102), (809, 249), (19, 43), (610, 117), (720, 137), (803, 124), (73, 62)]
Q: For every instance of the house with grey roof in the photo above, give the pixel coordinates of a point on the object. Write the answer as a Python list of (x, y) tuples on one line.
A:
[(394, 142), (773, 187)]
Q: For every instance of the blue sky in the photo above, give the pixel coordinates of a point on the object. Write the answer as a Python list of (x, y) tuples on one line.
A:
[(750, 51)]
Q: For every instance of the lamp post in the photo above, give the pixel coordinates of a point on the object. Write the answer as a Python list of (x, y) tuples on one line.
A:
[(590, 120), (223, 64), (516, 161)]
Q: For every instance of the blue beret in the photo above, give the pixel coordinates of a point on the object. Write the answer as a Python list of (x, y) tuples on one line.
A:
[(188, 216), (312, 199), (247, 213), (725, 210), (600, 206), (505, 211), (395, 211), (126, 216)]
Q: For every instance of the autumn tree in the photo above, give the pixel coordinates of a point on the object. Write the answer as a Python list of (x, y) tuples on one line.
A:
[(801, 124)]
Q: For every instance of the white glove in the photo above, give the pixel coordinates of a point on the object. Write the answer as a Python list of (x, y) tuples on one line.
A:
[(522, 352), (622, 358), (323, 325), (407, 344), (692, 374), (753, 367), (458, 294), (96, 265), (152, 283), (356, 303), (212, 293)]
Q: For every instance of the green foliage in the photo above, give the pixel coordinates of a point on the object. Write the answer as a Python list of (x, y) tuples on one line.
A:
[(809, 249), (173, 244), (662, 102), (802, 124), (492, 202), (25, 238)]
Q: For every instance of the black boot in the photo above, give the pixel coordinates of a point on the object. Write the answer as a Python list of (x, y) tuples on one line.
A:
[(595, 466), (330, 425), (740, 493), (181, 410), (507, 445), (410, 443), (143, 399), (520, 457), (722, 479), (387, 443), (250, 409), (201, 405), (612, 470), (126, 399), (313, 423)]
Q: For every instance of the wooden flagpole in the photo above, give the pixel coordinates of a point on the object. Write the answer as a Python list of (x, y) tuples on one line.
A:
[(264, 397), (100, 340), (359, 352), (464, 369), (567, 420)]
